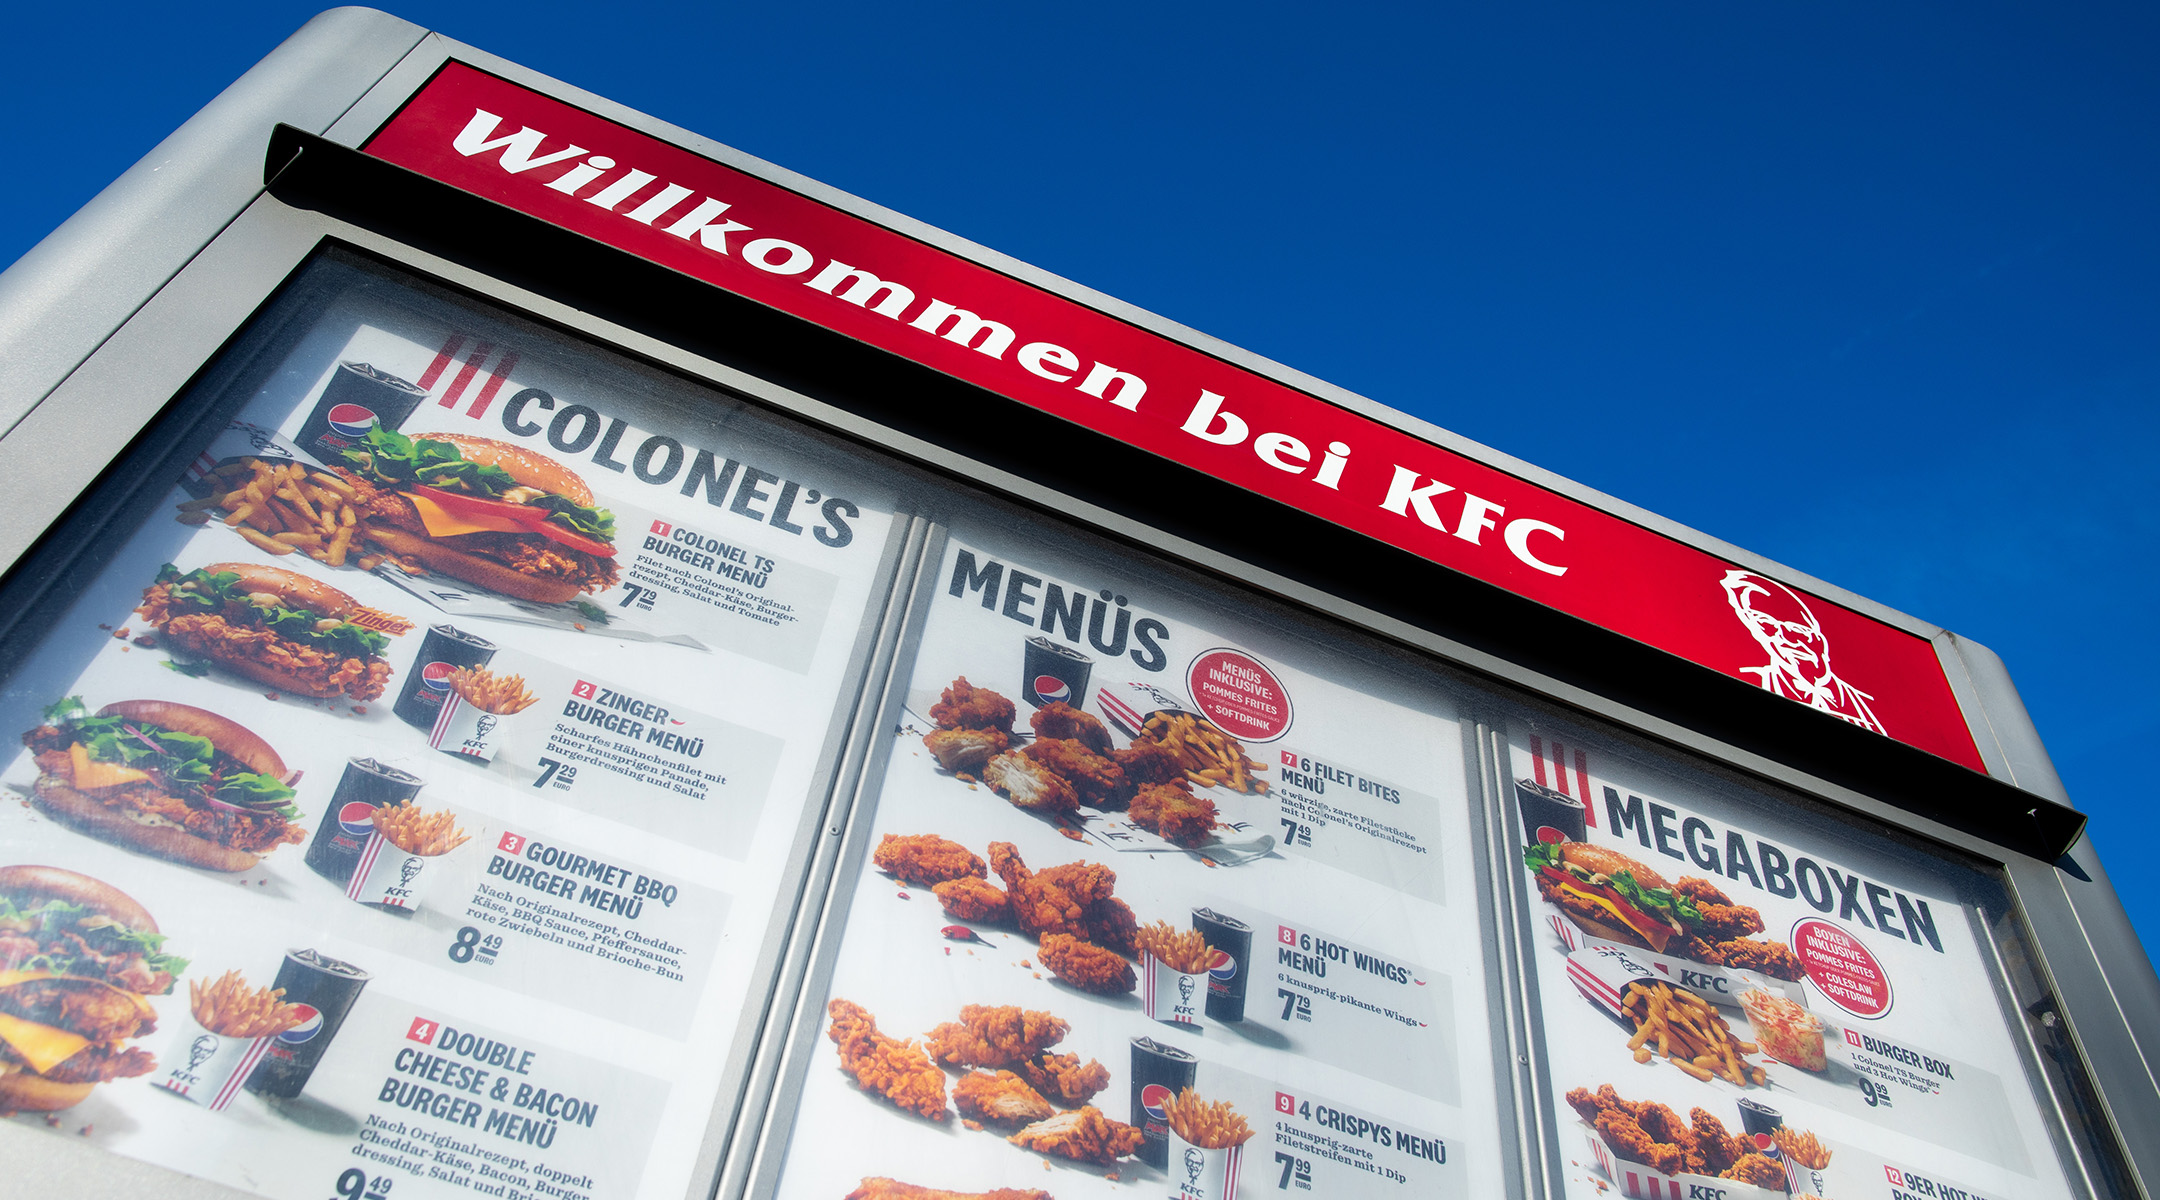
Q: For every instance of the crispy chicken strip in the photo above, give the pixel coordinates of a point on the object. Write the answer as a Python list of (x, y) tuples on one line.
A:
[(895, 1069), (995, 1036), (1084, 1135), (925, 858)]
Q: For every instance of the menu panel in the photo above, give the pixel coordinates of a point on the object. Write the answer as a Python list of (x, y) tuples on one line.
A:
[(1744, 996), (1168, 896), (401, 810)]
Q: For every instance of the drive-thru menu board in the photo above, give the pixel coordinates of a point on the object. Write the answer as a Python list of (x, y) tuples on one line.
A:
[(1742, 1001), (1164, 899), (470, 689)]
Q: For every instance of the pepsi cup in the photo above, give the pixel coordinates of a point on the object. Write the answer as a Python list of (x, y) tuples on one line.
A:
[(1759, 1123), (1051, 671), (1159, 1071), (323, 989), (343, 832), (1229, 959), (358, 398), (427, 685), (1549, 816)]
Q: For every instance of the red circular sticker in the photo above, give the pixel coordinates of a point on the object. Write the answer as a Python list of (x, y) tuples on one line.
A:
[(1243, 698), (1841, 968)]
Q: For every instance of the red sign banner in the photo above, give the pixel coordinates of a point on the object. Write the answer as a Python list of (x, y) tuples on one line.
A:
[(661, 202)]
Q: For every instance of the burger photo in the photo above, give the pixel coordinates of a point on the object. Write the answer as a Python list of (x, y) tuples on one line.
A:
[(77, 959), (180, 783), (1610, 895), (483, 511), (271, 625)]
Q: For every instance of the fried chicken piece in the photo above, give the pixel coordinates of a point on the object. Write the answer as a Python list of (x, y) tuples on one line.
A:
[(1058, 719), (879, 1187), (965, 706), (1585, 1105), (973, 899), (1084, 1135), (1029, 784), (1758, 1169), (1086, 966), (1627, 1139), (895, 1069), (1176, 814), (1059, 899), (925, 858), (1609, 1098), (995, 1036), (1094, 778), (1719, 1148), (1064, 1079), (1665, 1125), (1700, 890), (1110, 923), (1148, 761), (965, 751), (1002, 1098), (1695, 949), (1722, 920), (1774, 959)]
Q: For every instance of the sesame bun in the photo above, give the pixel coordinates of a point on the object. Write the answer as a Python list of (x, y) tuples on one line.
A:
[(291, 587), (1598, 860), (32, 886)]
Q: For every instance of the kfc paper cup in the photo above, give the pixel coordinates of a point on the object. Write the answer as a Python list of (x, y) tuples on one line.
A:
[(1169, 995), (388, 876), (208, 1068), (1197, 1174), (463, 729), (1804, 1181)]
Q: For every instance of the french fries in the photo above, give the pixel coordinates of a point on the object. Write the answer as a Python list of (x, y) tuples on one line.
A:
[(282, 508), (1803, 1147), (492, 693), (1210, 757), (1181, 950), (228, 1007), (416, 831), (1208, 1124), (1689, 1033)]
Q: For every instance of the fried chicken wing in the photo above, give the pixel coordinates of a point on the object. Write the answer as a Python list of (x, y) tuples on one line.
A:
[(1719, 1148), (965, 751), (1110, 923), (1760, 1170), (1175, 813), (1058, 719), (895, 1069), (1094, 778), (995, 1036), (1627, 1139), (925, 858), (1774, 959), (1148, 761), (1029, 784), (965, 706), (1064, 1078), (1087, 966), (973, 899), (1084, 1135), (1585, 1105), (881, 1188), (1665, 1126), (1072, 898), (1002, 1098)]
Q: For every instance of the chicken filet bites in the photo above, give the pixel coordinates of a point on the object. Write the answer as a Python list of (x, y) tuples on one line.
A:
[(965, 706), (965, 751), (1098, 781), (925, 858), (1087, 967), (1174, 813), (1084, 1135), (1058, 719), (995, 1036), (1029, 784), (973, 899), (895, 1069), (881, 1188), (1000, 1098), (1064, 1079)]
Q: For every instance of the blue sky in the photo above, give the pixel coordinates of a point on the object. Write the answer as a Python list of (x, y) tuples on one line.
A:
[(1871, 291)]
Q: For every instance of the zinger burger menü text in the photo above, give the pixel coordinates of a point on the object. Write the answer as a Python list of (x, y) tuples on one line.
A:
[(483, 511), (181, 783), (271, 625), (77, 958)]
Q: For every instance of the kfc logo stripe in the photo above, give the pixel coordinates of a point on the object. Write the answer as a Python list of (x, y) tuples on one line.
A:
[(661, 202)]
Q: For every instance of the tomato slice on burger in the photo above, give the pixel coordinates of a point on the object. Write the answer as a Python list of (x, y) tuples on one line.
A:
[(496, 513)]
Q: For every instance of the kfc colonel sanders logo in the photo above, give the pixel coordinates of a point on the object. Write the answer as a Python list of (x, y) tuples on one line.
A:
[(1799, 666)]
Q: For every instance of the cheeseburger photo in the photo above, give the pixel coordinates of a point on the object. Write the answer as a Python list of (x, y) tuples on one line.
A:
[(180, 783), (1620, 900), (487, 512), (77, 958), (271, 625)]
